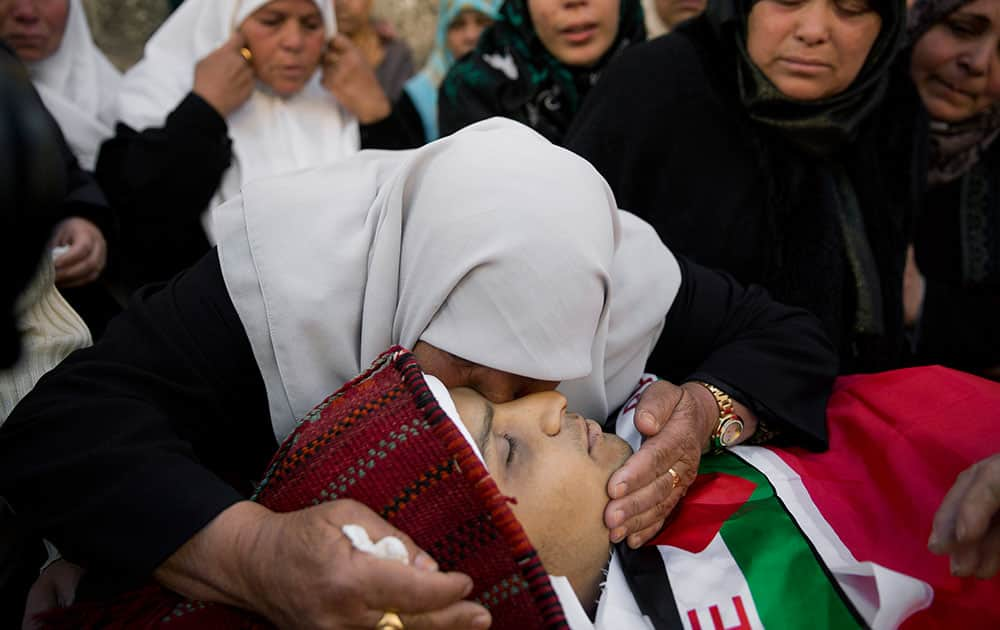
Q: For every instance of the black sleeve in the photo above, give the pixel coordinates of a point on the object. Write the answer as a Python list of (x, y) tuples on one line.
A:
[(402, 129), (128, 448), (161, 180), (84, 196), (959, 327), (773, 358)]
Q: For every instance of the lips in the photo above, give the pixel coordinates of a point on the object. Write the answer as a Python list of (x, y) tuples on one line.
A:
[(804, 67), (32, 41), (805, 62), (579, 33), (594, 434), (292, 71), (951, 88)]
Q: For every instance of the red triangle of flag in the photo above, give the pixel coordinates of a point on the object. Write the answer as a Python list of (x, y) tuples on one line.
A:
[(710, 501)]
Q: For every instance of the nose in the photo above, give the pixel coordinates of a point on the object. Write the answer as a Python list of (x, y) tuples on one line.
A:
[(552, 411), (292, 35), (976, 60), (25, 10), (470, 34), (813, 26)]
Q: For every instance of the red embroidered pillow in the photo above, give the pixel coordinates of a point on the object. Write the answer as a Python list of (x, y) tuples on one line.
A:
[(382, 440)]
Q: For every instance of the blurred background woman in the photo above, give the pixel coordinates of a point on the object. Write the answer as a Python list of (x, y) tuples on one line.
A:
[(953, 283), (537, 63), (460, 23), (75, 80), (382, 49), (227, 92), (78, 86)]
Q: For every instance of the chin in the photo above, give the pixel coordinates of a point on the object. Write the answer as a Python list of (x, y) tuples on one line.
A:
[(946, 112), (286, 89), (804, 90), (615, 453), (584, 57), (30, 54)]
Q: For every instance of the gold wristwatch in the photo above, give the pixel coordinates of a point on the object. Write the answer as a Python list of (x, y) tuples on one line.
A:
[(730, 424)]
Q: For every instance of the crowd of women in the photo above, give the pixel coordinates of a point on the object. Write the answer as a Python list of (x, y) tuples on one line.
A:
[(766, 194)]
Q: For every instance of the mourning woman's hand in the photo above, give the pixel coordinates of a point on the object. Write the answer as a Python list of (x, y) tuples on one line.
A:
[(352, 81), (86, 252), (225, 78), (677, 422), (967, 524), (299, 570)]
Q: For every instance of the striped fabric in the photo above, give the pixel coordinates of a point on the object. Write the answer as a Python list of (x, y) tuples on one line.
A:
[(785, 538)]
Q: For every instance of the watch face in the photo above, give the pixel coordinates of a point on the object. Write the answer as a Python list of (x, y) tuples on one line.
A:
[(731, 431)]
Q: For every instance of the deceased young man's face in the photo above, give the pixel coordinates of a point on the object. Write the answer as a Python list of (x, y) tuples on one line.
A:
[(556, 465)]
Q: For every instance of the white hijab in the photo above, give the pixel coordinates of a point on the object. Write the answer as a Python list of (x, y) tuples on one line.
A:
[(271, 135), (79, 87), (492, 244)]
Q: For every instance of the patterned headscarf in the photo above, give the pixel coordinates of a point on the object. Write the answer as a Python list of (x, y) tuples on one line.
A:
[(818, 127), (954, 147), (423, 88), (384, 440), (512, 67)]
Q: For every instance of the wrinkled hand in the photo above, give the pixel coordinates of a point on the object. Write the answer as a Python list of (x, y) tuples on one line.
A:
[(913, 289), (967, 524), (224, 78), (299, 570), (84, 261), (54, 588), (677, 426), (352, 81)]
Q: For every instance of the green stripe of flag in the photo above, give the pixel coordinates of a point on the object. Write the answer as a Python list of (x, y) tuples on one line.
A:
[(790, 586)]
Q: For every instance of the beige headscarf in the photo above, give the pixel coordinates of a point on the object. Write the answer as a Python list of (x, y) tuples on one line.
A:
[(271, 135), (491, 244), (79, 87)]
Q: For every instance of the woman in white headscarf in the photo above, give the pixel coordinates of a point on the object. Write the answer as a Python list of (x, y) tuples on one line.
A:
[(228, 91), (75, 80), (501, 259)]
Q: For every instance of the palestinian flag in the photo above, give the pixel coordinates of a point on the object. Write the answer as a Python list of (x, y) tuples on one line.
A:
[(784, 538)]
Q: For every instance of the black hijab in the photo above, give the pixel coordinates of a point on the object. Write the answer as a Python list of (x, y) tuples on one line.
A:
[(512, 74), (818, 127)]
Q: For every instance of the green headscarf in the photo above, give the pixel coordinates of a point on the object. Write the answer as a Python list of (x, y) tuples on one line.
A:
[(818, 127), (512, 74)]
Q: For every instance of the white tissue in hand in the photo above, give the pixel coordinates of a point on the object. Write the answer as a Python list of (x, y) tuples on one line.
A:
[(59, 250), (389, 548)]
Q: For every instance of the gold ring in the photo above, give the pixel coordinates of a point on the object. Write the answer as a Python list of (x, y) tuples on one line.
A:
[(675, 476), (247, 54), (389, 621)]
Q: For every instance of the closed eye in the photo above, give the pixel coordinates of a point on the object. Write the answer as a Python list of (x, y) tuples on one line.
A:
[(511, 448)]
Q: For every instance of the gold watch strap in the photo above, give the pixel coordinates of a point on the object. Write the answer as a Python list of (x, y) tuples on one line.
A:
[(727, 415)]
